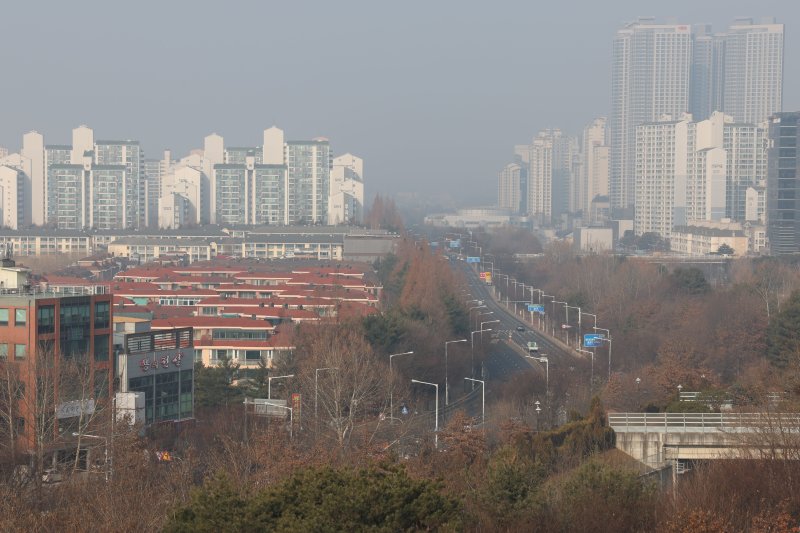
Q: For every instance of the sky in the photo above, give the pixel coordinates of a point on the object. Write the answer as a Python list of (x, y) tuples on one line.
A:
[(433, 95)]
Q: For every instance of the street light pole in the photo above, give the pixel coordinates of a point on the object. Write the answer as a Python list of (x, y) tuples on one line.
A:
[(607, 338), (543, 359), (483, 400), (591, 377), (446, 386), (472, 346), (436, 425), (566, 311), (269, 383), (487, 322), (391, 384)]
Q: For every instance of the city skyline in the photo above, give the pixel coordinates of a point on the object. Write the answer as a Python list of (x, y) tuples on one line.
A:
[(421, 93)]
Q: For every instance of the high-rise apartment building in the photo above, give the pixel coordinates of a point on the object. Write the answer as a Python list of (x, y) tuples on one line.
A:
[(593, 180), (308, 165), (33, 150), (12, 197), (346, 205), (651, 65), (696, 171), (752, 70), (129, 155), (509, 187), (783, 184), (551, 169)]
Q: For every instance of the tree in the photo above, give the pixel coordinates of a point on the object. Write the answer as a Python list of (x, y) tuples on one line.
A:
[(691, 280), (725, 249), (783, 333), (379, 498), (214, 384)]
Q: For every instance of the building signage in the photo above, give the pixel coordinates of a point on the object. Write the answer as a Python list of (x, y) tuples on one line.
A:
[(145, 364), (297, 404), (487, 276), (483, 275), (75, 408)]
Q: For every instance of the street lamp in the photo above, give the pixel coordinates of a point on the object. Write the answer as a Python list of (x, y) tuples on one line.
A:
[(483, 400), (391, 386), (446, 387), (607, 339), (472, 346), (487, 322), (591, 378), (479, 315), (578, 336), (316, 387), (436, 425), (538, 410), (543, 359), (554, 316), (269, 383), (105, 452)]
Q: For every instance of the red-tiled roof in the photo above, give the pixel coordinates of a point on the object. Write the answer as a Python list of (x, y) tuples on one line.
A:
[(210, 322)]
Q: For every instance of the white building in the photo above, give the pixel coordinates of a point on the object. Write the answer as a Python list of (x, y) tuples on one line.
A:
[(33, 150), (346, 204), (752, 70), (698, 171), (12, 195), (182, 200), (550, 175), (650, 75), (594, 166), (509, 187)]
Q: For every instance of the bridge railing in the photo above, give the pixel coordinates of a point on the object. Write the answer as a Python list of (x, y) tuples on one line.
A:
[(704, 422)]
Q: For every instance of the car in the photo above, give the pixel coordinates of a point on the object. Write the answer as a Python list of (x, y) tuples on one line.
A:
[(532, 347), (521, 328)]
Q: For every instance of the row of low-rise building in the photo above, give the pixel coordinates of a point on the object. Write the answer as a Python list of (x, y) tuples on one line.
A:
[(106, 185), (206, 242)]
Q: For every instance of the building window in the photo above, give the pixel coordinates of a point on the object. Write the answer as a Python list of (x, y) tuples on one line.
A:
[(20, 425), (20, 317), (3, 351), (46, 319), (20, 350), (101, 315), (101, 347), (3, 317), (252, 355)]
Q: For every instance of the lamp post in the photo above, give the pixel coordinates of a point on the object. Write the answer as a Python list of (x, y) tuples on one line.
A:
[(472, 346), (607, 339), (107, 473), (538, 410), (436, 425), (391, 385), (483, 400), (316, 388), (591, 378), (487, 322), (446, 386), (578, 336), (543, 295), (566, 311), (479, 315), (543, 359), (269, 383)]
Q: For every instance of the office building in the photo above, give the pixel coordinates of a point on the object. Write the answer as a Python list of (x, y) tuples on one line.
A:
[(650, 78), (59, 349), (783, 184)]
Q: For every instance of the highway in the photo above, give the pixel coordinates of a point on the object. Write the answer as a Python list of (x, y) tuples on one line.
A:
[(504, 360)]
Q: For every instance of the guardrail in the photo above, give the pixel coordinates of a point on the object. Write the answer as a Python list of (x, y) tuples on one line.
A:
[(704, 422)]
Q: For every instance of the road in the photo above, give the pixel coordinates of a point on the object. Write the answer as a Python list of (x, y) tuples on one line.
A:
[(504, 360)]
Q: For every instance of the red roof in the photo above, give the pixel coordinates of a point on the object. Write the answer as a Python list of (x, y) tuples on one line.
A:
[(210, 322)]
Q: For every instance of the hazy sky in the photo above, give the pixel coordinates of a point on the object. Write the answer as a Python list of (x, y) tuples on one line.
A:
[(432, 94)]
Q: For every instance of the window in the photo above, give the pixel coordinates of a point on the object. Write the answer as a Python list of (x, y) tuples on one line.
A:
[(101, 347), (3, 351), (101, 315), (46, 319), (19, 351), (252, 355), (3, 317), (20, 317)]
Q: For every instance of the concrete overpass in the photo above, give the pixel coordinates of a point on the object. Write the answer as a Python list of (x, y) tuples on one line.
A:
[(662, 439)]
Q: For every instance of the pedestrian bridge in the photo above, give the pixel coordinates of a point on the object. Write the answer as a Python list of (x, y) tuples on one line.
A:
[(656, 439)]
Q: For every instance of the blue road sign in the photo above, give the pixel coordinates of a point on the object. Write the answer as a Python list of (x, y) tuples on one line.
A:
[(455, 244), (473, 259), (535, 308), (592, 340), (434, 245)]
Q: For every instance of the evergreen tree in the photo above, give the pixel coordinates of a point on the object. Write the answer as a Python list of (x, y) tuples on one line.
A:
[(783, 333)]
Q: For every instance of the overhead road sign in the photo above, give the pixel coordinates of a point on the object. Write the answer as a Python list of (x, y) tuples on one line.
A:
[(473, 259), (536, 308), (593, 340)]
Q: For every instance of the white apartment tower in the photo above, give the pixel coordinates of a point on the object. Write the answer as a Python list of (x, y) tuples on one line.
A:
[(346, 205), (550, 172), (509, 187), (651, 65), (697, 171), (33, 150), (594, 166), (12, 197), (753, 70)]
